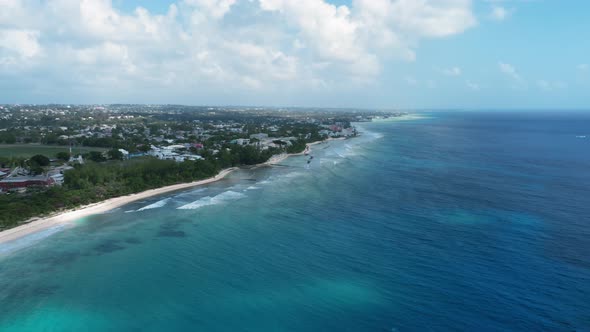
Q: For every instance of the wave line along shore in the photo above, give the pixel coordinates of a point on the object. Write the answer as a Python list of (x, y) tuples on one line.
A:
[(67, 216)]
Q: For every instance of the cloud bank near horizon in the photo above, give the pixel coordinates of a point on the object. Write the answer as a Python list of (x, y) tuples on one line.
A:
[(90, 47)]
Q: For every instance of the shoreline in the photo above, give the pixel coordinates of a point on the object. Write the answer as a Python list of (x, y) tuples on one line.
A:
[(280, 157), (65, 217)]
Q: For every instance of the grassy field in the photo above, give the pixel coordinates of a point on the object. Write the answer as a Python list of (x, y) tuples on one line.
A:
[(28, 150)]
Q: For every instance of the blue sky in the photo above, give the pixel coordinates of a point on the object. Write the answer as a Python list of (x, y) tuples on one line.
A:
[(510, 54)]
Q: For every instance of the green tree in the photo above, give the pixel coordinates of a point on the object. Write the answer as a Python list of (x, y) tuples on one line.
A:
[(36, 169), (7, 138), (96, 156), (39, 160), (115, 154), (63, 155), (144, 147)]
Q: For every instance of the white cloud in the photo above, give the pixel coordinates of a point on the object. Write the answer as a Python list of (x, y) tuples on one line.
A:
[(359, 36), (214, 8), (471, 85), (583, 67), (509, 70), (90, 44), (255, 60), (297, 44), (551, 85), (432, 18), (329, 30), (453, 71), (105, 53), (517, 82), (22, 42), (499, 13)]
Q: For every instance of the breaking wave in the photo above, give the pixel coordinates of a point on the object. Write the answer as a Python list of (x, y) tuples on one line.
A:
[(155, 205), (29, 240), (328, 161), (208, 200)]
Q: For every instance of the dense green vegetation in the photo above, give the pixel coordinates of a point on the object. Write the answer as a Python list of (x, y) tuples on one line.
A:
[(94, 182), (97, 181), (298, 146)]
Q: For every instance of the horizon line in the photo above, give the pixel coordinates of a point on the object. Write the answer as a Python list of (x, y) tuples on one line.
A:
[(392, 109)]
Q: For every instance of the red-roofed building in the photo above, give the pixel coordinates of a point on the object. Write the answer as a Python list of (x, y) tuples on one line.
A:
[(19, 182)]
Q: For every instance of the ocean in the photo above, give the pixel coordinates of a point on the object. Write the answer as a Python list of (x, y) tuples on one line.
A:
[(451, 221)]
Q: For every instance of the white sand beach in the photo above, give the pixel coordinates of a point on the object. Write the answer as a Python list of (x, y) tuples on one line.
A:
[(280, 157), (96, 208)]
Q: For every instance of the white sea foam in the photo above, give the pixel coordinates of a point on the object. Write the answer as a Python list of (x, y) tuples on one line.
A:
[(367, 134), (372, 135), (292, 175), (115, 210), (346, 152), (155, 205), (329, 162), (208, 200), (279, 179), (29, 240)]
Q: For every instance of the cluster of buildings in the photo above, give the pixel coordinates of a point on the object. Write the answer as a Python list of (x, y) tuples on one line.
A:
[(167, 132), (21, 183), (20, 179), (337, 130), (178, 153), (264, 141)]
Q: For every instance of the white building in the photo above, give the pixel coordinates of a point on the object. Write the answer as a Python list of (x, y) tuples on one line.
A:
[(241, 141), (125, 153), (172, 153), (77, 159), (58, 178), (259, 136)]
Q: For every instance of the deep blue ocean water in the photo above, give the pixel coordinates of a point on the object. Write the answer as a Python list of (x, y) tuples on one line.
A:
[(455, 222)]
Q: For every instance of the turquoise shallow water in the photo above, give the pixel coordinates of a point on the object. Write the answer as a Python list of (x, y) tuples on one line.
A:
[(455, 222)]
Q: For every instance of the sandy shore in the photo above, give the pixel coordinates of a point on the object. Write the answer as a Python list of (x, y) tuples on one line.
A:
[(280, 157), (95, 208)]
